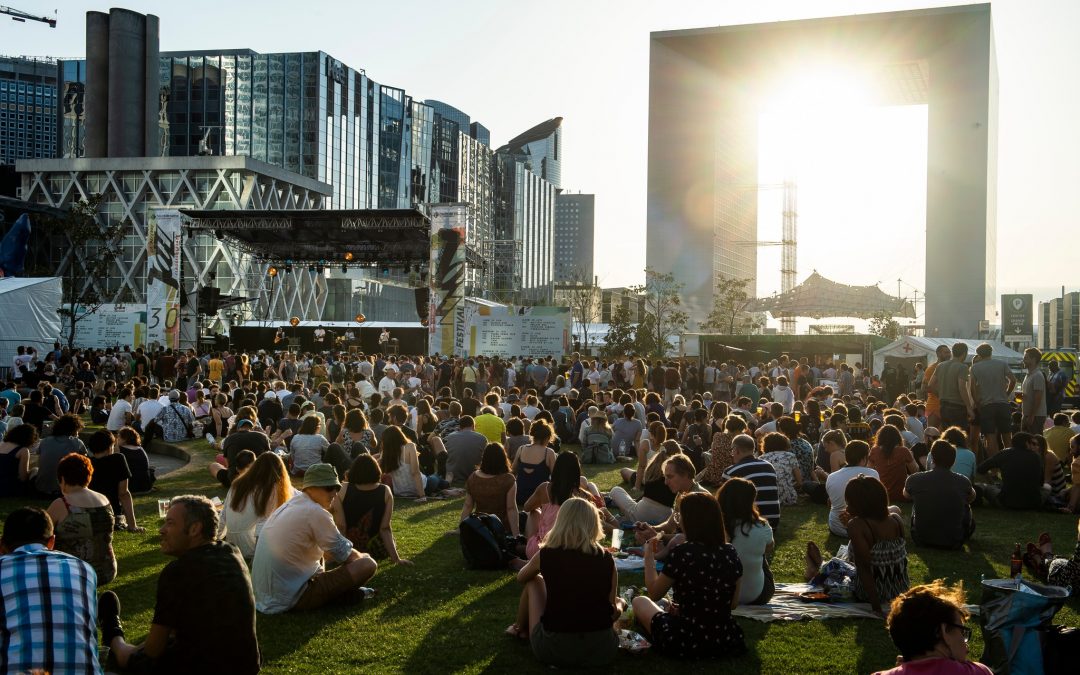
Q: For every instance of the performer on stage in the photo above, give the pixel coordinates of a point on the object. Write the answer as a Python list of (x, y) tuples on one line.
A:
[(350, 337), (320, 336), (279, 336), (384, 337)]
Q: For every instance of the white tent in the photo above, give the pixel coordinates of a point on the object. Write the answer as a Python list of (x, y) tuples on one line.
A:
[(28, 315), (908, 351)]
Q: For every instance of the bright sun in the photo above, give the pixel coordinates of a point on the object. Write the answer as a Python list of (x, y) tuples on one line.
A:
[(860, 171)]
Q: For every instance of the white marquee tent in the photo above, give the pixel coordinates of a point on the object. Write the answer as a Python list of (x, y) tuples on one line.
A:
[(28, 314), (908, 351)]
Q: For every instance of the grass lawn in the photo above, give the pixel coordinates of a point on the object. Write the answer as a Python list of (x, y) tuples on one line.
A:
[(438, 617)]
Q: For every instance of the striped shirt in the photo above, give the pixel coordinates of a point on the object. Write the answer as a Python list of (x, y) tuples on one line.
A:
[(763, 476), (49, 612)]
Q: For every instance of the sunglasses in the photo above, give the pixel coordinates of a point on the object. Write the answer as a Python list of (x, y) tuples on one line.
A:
[(964, 630)]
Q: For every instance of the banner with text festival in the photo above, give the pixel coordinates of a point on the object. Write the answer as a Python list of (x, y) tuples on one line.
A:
[(163, 257)]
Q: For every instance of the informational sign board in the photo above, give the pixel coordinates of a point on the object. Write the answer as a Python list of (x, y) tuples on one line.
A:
[(163, 258), (1017, 318), (109, 326), (518, 331)]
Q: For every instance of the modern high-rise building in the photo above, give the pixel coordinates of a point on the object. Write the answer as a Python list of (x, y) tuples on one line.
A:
[(522, 253), (540, 148), (1059, 322), (28, 102), (574, 232), (480, 133)]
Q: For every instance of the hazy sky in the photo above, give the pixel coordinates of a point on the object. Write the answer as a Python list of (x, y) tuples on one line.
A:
[(513, 64)]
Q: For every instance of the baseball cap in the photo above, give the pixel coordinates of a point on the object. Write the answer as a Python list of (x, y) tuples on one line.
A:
[(244, 421), (321, 475), (932, 432), (269, 394)]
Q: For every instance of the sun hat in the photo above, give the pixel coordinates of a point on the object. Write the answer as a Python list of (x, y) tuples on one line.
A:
[(321, 475)]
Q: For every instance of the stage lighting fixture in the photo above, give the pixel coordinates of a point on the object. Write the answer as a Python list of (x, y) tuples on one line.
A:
[(294, 322), (272, 271), (344, 269), (349, 256), (360, 318), (288, 268)]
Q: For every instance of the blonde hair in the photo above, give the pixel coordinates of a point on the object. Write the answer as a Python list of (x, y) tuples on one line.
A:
[(655, 469), (577, 527)]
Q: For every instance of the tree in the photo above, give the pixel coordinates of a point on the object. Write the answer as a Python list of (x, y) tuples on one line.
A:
[(730, 302), (582, 296), (620, 336), (884, 325), (90, 249), (663, 305)]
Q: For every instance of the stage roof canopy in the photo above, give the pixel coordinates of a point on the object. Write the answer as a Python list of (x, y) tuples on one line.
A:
[(818, 297), (391, 237)]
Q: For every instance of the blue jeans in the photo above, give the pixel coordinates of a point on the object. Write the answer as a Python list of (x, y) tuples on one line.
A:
[(434, 483)]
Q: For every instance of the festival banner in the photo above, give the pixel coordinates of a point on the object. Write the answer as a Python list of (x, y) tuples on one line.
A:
[(1016, 318), (163, 259), (446, 319), (536, 332)]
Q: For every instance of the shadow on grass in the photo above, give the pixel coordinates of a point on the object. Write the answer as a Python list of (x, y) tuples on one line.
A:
[(418, 513)]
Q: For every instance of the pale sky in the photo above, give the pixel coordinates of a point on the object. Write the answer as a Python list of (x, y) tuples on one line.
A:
[(511, 65)]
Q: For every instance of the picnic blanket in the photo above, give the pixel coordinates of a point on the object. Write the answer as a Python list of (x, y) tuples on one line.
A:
[(786, 606)]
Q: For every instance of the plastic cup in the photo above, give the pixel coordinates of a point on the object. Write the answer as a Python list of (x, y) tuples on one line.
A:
[(163, 507), (616, 539)]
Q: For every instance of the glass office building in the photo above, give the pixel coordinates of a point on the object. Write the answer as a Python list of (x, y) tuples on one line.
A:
[(28, 94), (541, 150)]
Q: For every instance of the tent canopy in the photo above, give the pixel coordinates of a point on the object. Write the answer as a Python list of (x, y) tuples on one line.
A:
[(28, 305), (818, 297), (923, 348)]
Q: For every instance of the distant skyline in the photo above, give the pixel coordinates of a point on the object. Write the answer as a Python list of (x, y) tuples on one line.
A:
[(512, 65)]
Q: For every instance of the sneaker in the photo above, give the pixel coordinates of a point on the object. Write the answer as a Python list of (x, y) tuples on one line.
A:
[(109, 617)]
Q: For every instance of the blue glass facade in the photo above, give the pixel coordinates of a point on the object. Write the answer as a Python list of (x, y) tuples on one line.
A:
[(28, 107)]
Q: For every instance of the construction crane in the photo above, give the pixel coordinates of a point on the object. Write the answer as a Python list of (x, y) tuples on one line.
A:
[(21, 17), (788, 259)]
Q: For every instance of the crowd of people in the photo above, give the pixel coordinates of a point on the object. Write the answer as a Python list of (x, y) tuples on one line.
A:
[(314, 449)]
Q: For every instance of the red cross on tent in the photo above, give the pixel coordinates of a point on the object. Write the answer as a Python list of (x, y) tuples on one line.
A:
[(908, 348)]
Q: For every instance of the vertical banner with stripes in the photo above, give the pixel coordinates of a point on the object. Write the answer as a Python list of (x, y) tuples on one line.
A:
[(446, 321), (163, 257)]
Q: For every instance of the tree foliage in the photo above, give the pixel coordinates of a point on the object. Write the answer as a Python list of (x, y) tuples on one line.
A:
[(89, 249), (664, 317), (885, 325), (621, 334), (582, 295), (729, 313)]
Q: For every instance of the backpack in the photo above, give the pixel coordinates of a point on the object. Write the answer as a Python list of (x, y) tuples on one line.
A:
[(597, 449), (338, 372), (483, 542)]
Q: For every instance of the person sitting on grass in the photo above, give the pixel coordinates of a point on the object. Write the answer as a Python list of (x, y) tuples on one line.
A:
[(400, 461), (16, 476), (646, 449), (927, 625), (111, 476), (129, 444), (706, 574), (492, 489), (657, 498), (83, 520), (204, 612), (875, 563), (569, 604), (679, 477), (244, 436), (533, 460), (759, 472), (942, 502), (776, 450), (40, 587), (363, 511), (720, 455), (752, 538), (261, 486), (287, 572), (1057, 570), (543, 506), (1021, 474)]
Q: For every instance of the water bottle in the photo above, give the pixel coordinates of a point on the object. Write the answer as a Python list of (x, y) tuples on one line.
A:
[(624, 448)]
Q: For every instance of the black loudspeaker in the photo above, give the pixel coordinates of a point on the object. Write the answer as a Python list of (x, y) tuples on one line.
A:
[(422, 295)]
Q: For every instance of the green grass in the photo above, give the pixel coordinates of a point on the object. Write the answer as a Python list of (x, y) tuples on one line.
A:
[(438, 617)]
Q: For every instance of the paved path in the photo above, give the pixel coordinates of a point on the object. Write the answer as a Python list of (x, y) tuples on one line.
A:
[(165, 464)]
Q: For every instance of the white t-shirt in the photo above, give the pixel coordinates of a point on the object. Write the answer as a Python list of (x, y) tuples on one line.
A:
[(148, 410), (751, 548), (531, 411), (835, 485), (386, 386), (116, 416)]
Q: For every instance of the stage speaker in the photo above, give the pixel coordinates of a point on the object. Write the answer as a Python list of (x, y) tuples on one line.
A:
[(422, 295)]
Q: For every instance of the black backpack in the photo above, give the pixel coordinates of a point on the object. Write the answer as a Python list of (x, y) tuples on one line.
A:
[(483, 542)]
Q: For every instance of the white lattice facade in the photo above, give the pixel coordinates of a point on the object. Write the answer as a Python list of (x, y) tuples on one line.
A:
[(131, 186)]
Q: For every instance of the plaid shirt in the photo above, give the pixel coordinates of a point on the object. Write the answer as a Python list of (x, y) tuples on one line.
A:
[(49, 612)]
